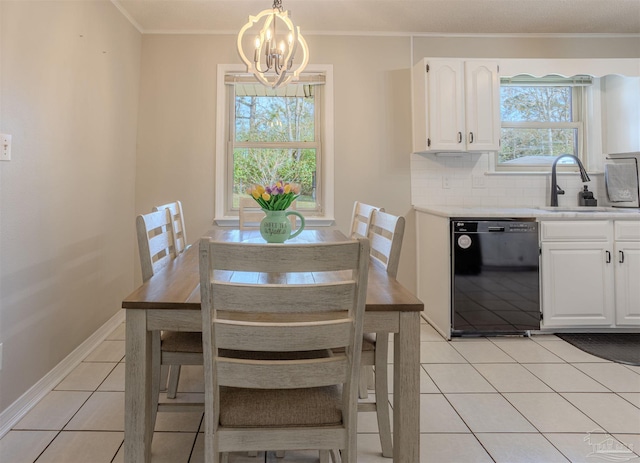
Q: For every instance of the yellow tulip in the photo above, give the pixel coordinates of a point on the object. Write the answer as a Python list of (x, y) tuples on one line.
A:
[(266, 196), (255, 194), (287, 188)]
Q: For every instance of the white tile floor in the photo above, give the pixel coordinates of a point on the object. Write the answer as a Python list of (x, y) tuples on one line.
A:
[(503, 400)]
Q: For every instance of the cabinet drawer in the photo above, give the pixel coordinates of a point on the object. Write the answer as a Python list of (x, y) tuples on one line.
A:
[(628, 230), (576, 230)]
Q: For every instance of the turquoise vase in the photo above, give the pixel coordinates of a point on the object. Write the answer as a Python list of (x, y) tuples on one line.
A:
[(276, 227)]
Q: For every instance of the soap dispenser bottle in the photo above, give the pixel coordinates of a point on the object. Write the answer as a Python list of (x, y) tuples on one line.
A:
[(585, 198)]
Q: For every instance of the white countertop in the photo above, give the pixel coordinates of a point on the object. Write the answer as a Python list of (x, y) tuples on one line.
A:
[(546, 213)]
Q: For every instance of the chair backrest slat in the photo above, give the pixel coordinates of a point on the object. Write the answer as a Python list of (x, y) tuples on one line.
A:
[(270, 337), (155, 242), (292, 374), (361, 219), (262, 297), (385, 235), (177, 220), (296, 257)]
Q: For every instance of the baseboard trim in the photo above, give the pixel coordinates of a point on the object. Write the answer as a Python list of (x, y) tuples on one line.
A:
[(17, 410)]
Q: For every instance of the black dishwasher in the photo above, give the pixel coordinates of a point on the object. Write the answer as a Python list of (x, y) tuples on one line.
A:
[(495, 277)]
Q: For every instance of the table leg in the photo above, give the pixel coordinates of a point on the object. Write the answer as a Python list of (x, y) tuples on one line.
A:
[(137, 397), (406, 390)]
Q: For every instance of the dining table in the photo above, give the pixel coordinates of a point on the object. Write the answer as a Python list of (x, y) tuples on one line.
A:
[(170, 300)]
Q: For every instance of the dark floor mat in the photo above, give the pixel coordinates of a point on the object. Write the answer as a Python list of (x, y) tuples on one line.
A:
[(617, 347)]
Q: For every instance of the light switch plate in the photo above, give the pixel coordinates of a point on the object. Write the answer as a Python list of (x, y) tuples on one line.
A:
[(5, 147)]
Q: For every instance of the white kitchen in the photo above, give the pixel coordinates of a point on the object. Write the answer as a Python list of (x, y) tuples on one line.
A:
[(453, 181)]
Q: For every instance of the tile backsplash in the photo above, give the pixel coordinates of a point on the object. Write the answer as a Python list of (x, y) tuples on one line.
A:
[(468, 181)]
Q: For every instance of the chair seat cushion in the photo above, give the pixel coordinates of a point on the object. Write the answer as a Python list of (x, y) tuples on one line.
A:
[(181, 341), (246, 408), (368, 344), (369, 341)]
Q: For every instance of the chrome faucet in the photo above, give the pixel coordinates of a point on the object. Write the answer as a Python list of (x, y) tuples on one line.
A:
[(555, 189)]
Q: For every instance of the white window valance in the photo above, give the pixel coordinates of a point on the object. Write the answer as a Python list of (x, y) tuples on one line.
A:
[(599, 67)]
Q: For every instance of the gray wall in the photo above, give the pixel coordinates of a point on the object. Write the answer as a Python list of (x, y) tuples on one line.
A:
[(69, 93)]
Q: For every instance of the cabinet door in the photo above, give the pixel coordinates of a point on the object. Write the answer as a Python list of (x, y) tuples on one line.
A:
[(627, 262), (577, 284), (482, 105), (420, 107), (446, 105)]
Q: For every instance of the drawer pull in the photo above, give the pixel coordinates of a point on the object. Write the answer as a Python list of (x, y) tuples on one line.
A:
[(459, 137), (608, 257), (621, 257)]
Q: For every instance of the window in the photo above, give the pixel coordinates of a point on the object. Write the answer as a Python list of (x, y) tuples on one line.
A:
[(542, 118), (275, 134)]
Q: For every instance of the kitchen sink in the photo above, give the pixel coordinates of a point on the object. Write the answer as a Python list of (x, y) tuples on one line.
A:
[(589, 209)]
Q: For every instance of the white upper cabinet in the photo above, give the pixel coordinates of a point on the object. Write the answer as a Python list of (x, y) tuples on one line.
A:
[(456, 105)]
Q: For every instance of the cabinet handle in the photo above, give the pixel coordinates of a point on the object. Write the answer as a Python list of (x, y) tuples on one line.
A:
[(621, 257), (459, 137), (470, 137), (608, 257)]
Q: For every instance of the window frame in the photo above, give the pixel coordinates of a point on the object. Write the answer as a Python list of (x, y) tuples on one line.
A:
[(579, 102), (224, 215), (316, 144)]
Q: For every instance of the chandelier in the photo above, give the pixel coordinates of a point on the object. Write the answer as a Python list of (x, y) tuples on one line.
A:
[(272, 55)]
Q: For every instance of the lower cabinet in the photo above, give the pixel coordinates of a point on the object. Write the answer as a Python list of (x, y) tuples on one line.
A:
[(590, 273), (577, 284), (627, 273)]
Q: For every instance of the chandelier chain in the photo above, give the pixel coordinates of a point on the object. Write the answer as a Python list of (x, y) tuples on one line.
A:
[(277, 5)]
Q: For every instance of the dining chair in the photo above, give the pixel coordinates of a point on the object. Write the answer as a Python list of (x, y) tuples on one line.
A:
[(156, 247), (180, 244), (289, 392), (361, 218), (250, 214), (179, 230), (385, 237)]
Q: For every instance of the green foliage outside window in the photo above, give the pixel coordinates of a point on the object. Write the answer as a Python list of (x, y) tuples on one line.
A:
[(534, 123), (267, 166), (275, 140)]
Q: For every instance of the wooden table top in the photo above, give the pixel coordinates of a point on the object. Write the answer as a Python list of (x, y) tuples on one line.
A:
[(177, 286)]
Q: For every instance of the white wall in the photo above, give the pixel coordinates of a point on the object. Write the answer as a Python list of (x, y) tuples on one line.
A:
[(69, 93)]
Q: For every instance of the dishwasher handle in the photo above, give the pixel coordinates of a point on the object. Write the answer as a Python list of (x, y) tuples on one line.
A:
[(495, 229)]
